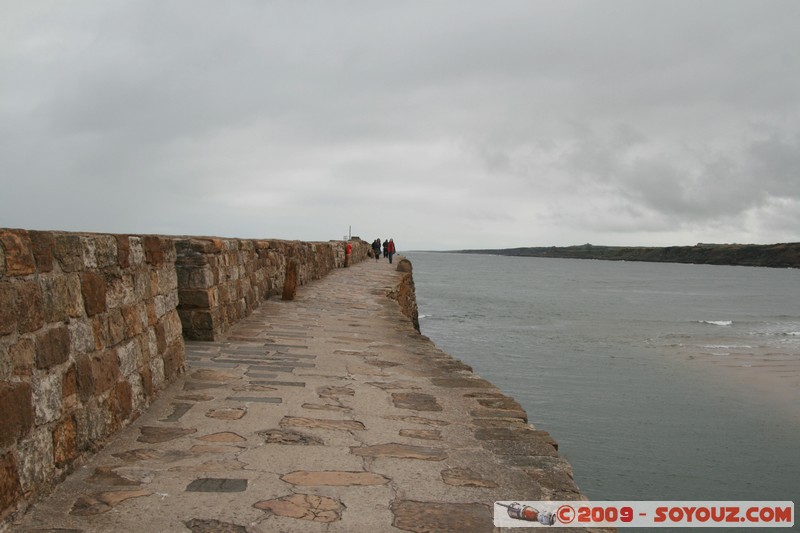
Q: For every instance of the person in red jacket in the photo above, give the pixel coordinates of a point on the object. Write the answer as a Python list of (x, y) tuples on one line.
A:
[(391, 249)]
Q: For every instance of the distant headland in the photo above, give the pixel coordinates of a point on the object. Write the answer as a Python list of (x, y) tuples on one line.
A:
[(781, 255)]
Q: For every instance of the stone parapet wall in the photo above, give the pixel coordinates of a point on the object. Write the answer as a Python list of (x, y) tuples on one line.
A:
[(222, 281), (92, 327), (89, 333), (405, 292)]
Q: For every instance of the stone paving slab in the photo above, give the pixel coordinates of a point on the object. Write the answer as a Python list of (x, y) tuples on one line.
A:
[(326, 413)]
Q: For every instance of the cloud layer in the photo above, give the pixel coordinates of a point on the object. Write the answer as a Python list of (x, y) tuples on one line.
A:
[(442, 124)]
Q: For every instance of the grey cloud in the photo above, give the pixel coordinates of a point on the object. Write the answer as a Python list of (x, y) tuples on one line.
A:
[(571, 117)]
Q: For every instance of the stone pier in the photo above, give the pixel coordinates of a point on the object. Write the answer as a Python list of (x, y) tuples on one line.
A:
[(328, 412)]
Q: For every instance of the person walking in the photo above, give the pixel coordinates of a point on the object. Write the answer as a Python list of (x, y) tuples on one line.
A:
[(386, 248), (391, 250), (376, 249)]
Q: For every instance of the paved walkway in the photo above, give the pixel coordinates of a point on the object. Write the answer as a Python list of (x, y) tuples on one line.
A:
[(328, 413)]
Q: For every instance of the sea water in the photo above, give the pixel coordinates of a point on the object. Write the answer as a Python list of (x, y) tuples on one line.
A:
[(638, 370)]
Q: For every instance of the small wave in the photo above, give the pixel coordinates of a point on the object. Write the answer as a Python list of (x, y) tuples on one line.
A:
[(724, 346), (717, 322), (423, 316), (792, 333)]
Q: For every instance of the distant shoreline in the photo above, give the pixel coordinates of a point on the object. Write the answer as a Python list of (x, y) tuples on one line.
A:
[(781, 255)]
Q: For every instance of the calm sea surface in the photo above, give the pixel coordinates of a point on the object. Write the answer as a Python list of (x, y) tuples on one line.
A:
[(634, 367)]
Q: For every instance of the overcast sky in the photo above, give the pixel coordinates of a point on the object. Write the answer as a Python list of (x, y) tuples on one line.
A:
[(442, 124)]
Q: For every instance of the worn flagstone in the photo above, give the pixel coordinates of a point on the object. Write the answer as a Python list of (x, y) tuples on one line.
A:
[(419, 420), (227, 413), (335, 392), (105, 475), (304, 507), (426, 434), (102, 502), (416, 401), (151, 454), (321, 423), (217, 485), (282, 436), (326, 407), (224, 436)]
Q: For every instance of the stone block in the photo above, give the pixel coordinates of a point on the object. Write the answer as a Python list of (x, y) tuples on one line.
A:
[(29, 306), (92, 424), (35, 459), (167, 279), (197, 298), (170, 254), (8, 306), (10, 489), (130, 357), (100, 331), (132, 317), (69, 252), (123, 401), (81, 335), (55, 298), (139, 400), (65, 442), (152, 317), (223, 294), (115, 328), (147, 381), (105, 250), (74, 303), (43, 243), (120, 290), (141, 284), (16, 414), (69, 386), (96, 373), (154, 249), (83, 377), (157, 372), (137, 254), (164, 303), (22, 355), (153, 283), (47, 398), (123, 251), (172, 326), (208, 246), (161, 337), (18, 252), (173, 359), (105, 371), (93, 288), (291, 280), (88, 252), (52, 347)]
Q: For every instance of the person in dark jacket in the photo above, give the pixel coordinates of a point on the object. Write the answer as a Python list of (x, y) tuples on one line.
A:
[(376, 249)]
